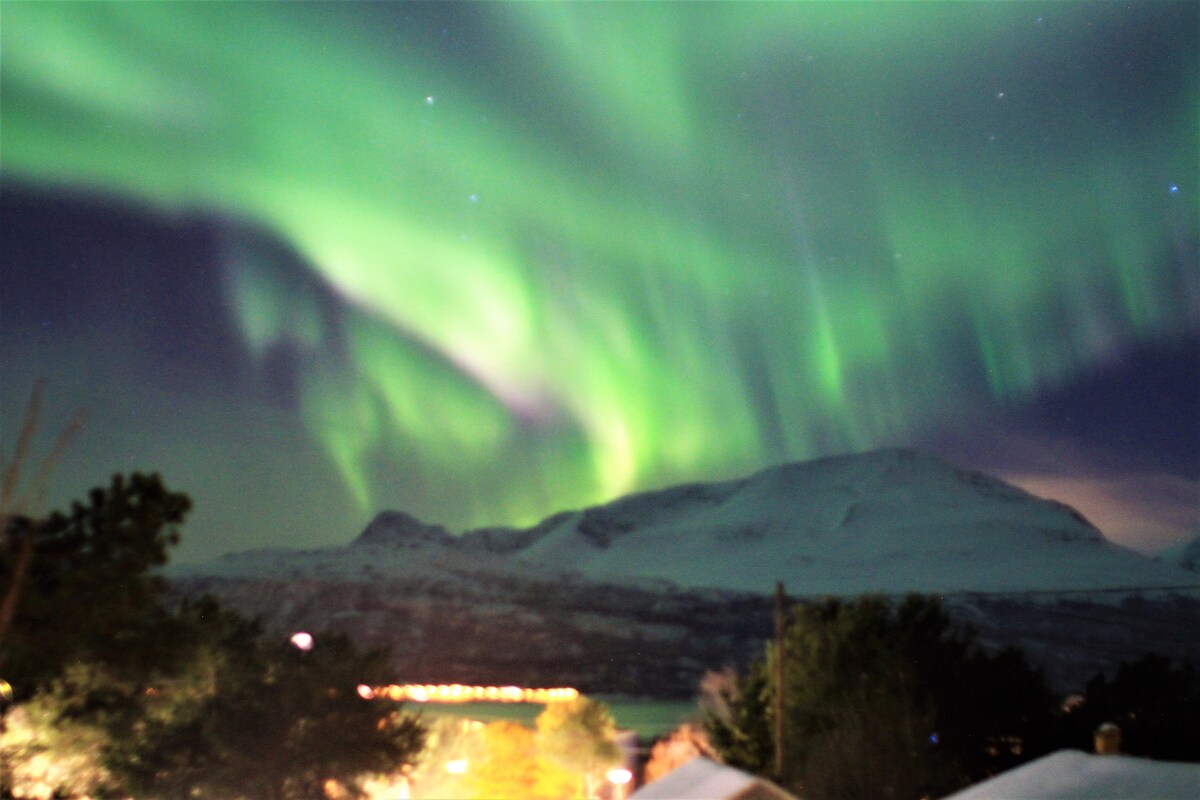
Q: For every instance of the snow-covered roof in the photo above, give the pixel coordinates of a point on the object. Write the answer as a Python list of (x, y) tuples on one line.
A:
[(1073, 775), (703, 779)]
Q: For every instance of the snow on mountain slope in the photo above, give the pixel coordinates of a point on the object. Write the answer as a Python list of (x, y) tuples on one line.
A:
[(1185, 555), (886, 521), (889, 520), (642, 595)]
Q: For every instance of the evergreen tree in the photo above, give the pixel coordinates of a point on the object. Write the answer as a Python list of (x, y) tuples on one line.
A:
[(1154, 701), (277, 723), (507, 765), (579, 736), (741, 728), (884, 700), (90, 592), (173, 702)]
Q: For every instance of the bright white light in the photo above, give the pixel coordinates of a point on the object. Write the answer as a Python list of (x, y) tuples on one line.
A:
[(456, 767), (302, 641), (620, 776), (365, 692)]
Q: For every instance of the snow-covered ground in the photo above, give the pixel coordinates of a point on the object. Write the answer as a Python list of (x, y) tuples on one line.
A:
[(704, 779), (1185, 555), (1073, 775)]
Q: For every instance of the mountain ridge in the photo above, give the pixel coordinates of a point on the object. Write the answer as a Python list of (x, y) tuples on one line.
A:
[(642, 595), (890, 520)]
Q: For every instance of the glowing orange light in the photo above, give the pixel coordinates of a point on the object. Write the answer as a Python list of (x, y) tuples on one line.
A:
[(459, 693)]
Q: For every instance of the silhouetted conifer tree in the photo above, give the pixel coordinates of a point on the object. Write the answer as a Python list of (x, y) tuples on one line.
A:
[(184, 702), (885, 700), (1154, 701)]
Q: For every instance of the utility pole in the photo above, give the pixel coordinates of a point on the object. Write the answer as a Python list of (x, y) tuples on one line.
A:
[(780, 625)]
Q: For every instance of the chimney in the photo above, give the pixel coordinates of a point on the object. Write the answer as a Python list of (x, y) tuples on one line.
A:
[(1108, 740)]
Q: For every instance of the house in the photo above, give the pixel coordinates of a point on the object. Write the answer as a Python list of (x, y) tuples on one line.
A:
[(704, 779), (1075, 775)]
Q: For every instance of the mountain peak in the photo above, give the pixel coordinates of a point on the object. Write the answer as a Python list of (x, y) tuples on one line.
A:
[(401, 531), (884, 520), (893, 520)]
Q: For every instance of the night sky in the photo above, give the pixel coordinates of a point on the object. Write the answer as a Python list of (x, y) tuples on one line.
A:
[(486, 262)]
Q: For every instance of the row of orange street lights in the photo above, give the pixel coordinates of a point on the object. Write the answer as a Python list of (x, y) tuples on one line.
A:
[(303, 641), (459, 693), (449, 692)]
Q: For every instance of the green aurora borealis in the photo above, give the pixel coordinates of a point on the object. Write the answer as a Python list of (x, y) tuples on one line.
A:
[(566, 251)]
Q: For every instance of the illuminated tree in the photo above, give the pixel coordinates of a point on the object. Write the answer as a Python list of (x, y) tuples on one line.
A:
[(553, 782), (466, 760), (507, 766), (177, 702), (274, 723), (40, 747), (686, 742), (88, 634), (448, 741), (579, 736), (739, 722)]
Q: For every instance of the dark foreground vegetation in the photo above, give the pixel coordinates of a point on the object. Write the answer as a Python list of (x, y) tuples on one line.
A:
[(112, 691), (892, 699), (117, 694)]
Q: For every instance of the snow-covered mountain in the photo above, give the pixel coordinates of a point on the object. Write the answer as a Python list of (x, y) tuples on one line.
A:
[(1185, 555), (891, 521), (884, 521), (643, 594)]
